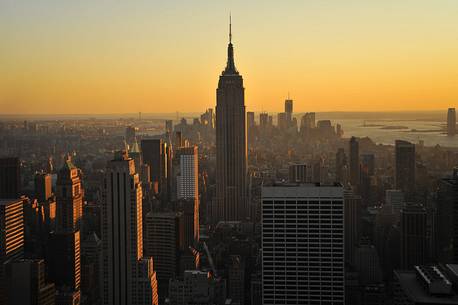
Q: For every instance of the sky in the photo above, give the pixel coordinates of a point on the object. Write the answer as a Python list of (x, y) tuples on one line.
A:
[(86, 56)]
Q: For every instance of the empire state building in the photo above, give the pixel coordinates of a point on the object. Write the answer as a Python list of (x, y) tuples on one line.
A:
[(231, 146)]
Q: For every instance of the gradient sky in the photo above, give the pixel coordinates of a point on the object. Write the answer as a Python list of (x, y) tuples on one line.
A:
[(105, 56)]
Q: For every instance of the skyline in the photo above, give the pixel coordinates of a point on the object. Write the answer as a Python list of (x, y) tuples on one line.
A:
[(71, 58)]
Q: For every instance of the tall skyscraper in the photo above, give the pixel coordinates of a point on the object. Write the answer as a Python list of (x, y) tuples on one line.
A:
[(250, 120), (341, 166), (10, 178), (413, 236), (11, 237), (122, 236), (154, 153), (447, 219), (303, 244), (69, 196), (451, 122), (231, 145), (188, 176), (405, 168), (43, 187), (289, 110), (354, 162), (352, 211)]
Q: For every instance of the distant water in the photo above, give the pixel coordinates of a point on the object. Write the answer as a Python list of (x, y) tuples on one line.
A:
[(431, 132)]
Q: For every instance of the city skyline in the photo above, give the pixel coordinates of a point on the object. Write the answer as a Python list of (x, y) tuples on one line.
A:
[(378, 57)]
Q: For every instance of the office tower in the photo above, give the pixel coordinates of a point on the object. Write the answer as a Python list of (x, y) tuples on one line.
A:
[(447, 219), (303, 244), (352, 209), (367, 263), (197, 287), (263, 120), (298, 173), (413, 236), (250, 120), (236, 279), (136, 154), (308, 121), (451, 122), (368, 164), (178, 140), (43, 187), (27, 284), (354, 162), (289, 111), (10, 178), (168, 126), (189, 209), (424, 285), (154, 153), (91, 264), (405, 168), (341, 163), (231, 146), (282, 124), (69, 196), (188, 176), (395, 199), (130, 134), (122, 235), (163, 235), (11, 237)]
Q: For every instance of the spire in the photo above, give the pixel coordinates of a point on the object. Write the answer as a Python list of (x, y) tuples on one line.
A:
[(230, 67)]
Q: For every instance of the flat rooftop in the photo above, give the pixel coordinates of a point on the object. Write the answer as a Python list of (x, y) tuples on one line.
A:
[(308, 190)]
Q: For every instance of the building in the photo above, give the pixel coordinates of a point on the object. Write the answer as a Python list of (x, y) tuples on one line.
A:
[(282, 122), (11, 238), (27, 284), (155, 154), (91, 263), (10, 178), (130, 134), (354, 162), (367, 263), (197, 287), (341, 166), (447, 219), (413, 236), (188, 176), (250, 120), (236, 279), (395, 199), (163, 235), (405, 168), (451, 122), (289, 111), (423, 285), (43, 187), (303, 244), (122, 235), (264, 120), (352, 209), (69, 196), (231, 142), (298, 173)]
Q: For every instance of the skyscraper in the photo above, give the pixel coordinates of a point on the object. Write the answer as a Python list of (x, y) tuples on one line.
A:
[(413, 236), (303, 244), (341, 166), (354, 162), (155, 154), (122, 236), (231, 146), (289, 110), (405, 168), (352, 209), (10, 179), (43, 184), (451, 122), (11, 237), (447, 219), (188, 177)]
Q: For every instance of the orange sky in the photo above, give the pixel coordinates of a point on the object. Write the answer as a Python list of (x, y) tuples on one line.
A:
[(111, 57)]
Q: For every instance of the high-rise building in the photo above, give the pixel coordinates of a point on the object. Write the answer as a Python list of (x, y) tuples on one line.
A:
[(11, 237), (289, 111), (354, 162), (188, 176), (405, 168), (27, 284), (163, 235), (447, 219), (43, 187), (69, 196), (122, 236), (282, 122), (155, 154), (231, 142), (10, 178), (395, 199), (352, 209), (263, 120), (413, 236), (250, 120), (367, 263), (303, 244), (91, 264), (236, 279), (169, 126), (451, 122), (341, 166), (298, 173)]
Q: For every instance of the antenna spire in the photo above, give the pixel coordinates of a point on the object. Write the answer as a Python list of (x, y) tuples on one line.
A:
[(230, 27)]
